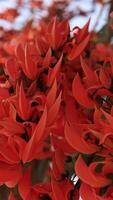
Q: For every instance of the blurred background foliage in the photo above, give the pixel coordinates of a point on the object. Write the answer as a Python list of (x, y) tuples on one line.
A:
[(16, 14)]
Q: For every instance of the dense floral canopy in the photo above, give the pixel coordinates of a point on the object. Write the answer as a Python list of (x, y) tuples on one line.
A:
[(56, 112)]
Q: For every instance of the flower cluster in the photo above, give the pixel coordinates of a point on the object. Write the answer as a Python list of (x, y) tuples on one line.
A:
[(56, 106)]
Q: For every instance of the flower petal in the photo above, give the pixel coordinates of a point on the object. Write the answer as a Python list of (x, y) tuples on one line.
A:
[(32, 146), (78, 49), (25, 184), (53, 111), (53, 73), (51, 95), (80, 94), (11, 196), (86, 175), (74, 137)]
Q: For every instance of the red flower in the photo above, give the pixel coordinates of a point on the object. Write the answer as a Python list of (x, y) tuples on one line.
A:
[(56, 108)]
